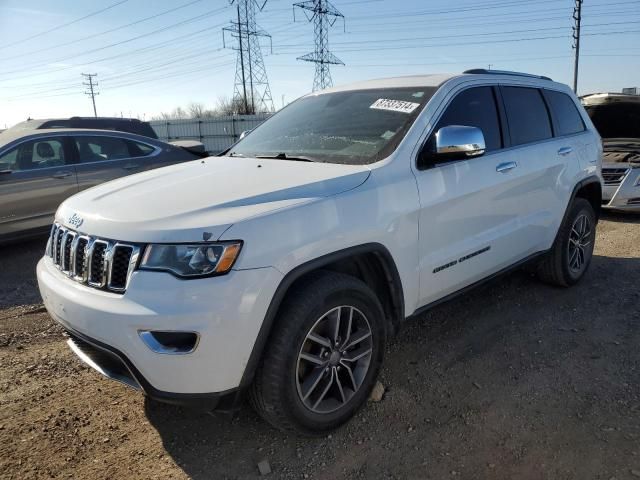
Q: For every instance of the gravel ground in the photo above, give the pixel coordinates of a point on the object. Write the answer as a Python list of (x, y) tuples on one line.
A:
[(515, 380)]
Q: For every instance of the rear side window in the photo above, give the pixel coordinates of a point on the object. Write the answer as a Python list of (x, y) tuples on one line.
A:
[(566, 117), (527, 115), (475, 107)]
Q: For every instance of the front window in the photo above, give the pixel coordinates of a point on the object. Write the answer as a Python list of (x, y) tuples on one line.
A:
[(33, 155), (616, 120), (350, 127)]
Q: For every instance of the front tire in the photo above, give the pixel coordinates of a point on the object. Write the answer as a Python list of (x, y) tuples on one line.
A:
[(570, 256), (323, 355)]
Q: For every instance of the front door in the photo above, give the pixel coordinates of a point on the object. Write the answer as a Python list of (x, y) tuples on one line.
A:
[(35, 177), (471, 218)]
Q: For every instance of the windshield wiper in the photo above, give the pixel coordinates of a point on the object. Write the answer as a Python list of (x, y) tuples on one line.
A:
[(284, 156), (234, 154)]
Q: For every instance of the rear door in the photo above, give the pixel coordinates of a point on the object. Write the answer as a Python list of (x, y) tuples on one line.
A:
[(37, 175), (546, 159), (101, 158), (473, 211)]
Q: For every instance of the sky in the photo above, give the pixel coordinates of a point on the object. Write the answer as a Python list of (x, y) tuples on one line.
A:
[(153, 56)]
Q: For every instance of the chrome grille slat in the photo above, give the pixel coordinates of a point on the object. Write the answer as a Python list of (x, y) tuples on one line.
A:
[(614, 176), (99, 263)]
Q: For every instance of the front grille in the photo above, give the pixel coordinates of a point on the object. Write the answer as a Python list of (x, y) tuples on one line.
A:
[(97, 262), (614, 176)]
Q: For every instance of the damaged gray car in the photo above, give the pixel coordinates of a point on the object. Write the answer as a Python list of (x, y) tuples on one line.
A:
[(616, 116)]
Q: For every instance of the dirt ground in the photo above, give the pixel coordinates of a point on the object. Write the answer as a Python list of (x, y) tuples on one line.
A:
[(515, 380)]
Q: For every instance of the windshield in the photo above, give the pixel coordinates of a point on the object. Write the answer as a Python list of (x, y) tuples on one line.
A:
[(351, 127), (616, 120)]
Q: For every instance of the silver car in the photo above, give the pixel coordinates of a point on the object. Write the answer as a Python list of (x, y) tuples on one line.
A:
[(616, 116), (41, 168)]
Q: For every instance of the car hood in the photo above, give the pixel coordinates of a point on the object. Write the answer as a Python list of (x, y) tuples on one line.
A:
[(199, 200)]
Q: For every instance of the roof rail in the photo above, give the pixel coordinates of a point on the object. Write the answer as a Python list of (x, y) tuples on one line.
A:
[(484, 71)]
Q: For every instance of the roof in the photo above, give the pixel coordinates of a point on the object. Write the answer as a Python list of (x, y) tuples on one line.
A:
[(433, 80), (9, 136), (395, 82)]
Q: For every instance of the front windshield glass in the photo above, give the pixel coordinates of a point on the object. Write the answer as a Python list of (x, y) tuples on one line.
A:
[(616, 120), (351, 127)]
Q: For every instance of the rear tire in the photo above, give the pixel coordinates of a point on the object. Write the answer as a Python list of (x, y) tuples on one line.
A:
[(570, 256), (311, 380)]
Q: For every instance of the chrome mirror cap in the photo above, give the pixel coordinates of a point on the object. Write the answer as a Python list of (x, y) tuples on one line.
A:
[(458, 140)]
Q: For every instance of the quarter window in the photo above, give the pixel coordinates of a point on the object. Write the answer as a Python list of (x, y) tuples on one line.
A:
[(567, 119), (34, 154), (475, 107), (527, 115)]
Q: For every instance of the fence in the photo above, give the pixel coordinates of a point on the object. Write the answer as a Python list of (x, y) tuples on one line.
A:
[(217, 134)]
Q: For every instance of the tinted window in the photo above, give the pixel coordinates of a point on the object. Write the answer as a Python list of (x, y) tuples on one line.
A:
[(95, 149), (565, 114), (351, 127), (616, 120), (138, 149), (475, 107), (40, 153), (527, 115)]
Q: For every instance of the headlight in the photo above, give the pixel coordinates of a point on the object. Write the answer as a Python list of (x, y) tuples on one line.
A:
[(191, 261)]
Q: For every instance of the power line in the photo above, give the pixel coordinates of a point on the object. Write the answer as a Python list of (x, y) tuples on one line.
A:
[(323, 15), (251, 87), (91, 92), (111, 30), (58, 27), (128, 40)]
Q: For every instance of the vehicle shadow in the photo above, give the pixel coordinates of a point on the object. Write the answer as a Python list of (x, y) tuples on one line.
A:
[(476, 353), (620, 217), (18, 283)]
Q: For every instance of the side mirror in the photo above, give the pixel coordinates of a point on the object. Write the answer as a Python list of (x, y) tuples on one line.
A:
[(457, 141)]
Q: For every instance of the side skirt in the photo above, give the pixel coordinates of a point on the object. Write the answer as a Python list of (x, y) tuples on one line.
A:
[(479, 283)]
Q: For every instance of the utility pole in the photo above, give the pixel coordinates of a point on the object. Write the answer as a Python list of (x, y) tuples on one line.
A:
[(323, 15), (251, 89), (577, 18), (91, 92)]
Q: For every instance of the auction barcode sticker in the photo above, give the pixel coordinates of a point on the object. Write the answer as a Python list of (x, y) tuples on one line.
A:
[(394, 105)]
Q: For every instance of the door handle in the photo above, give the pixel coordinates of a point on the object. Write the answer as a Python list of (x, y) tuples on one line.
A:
[(564, 151), (131, 166), (63, 174), (505, 167)]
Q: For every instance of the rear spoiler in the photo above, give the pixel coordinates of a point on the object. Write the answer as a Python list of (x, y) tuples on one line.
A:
[(192, 146)]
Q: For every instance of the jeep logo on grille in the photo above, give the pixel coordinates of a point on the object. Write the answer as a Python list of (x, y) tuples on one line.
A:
[(75, 220)]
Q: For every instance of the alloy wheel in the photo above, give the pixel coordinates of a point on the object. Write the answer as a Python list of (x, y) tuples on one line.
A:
[(579, 243), (334, 359)]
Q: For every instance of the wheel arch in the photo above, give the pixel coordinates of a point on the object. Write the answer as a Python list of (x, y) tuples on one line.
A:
[(591, 190), (371, 263)]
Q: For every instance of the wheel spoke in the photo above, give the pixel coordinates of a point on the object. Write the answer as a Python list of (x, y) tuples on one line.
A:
[(324, 392), (358, 356), (572, 258), (336, 333), (347, 367), (347, 334), (314, 337), (312, 358), (311, 382), (339, 384), (359, 336)]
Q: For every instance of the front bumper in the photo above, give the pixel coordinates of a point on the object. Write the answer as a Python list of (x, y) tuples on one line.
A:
[(626, 195), (227, 312)]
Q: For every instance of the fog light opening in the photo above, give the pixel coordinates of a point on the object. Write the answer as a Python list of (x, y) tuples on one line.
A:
[(170, 342)]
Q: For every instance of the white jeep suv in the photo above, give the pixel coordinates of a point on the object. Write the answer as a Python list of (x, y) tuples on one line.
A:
[(281, 268)]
